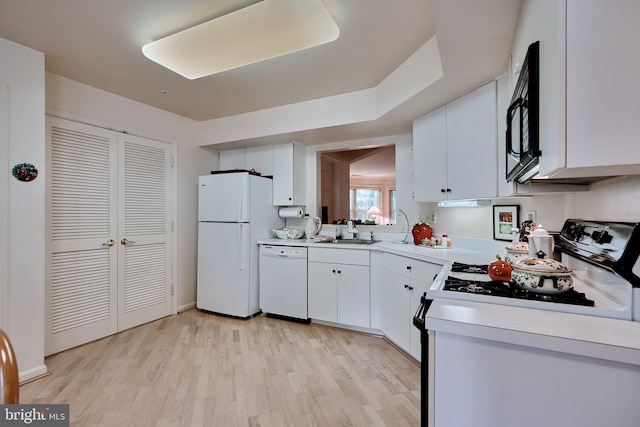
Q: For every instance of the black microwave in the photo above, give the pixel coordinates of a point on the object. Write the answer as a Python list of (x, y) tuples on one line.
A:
[(522, 147)]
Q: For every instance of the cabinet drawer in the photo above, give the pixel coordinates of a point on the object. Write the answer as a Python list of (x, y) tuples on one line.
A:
[(339, 256), (418, 270)]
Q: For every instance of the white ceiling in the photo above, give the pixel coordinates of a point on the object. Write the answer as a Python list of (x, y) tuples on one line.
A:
[(99, 43), (381, 164)]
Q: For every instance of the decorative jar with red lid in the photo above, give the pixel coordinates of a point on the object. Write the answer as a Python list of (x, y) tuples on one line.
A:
[(421, 231)]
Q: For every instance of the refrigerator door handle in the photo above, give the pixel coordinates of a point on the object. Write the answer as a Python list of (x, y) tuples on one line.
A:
[(242, 208), (241, 256)]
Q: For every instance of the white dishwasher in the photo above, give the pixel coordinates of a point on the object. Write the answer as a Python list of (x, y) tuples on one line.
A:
[(283, 281)]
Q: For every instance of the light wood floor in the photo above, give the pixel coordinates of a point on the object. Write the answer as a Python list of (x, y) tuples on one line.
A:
[(199, 369)]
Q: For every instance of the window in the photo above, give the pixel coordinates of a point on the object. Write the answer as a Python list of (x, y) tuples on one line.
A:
[(361, 200)]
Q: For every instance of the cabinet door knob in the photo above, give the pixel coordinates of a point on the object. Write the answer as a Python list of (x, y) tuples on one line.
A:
[(333, 271), (109, 242), (339, 272), (442, 190), (409, 267), (406, 286), (448, 190), (410, 288)]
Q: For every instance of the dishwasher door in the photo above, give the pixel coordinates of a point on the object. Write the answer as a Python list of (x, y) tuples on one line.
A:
[(283, 281)]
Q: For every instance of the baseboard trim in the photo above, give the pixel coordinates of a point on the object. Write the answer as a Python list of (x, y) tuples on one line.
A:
[(186, 307), (351, 328), (403, 351), (32, 374)]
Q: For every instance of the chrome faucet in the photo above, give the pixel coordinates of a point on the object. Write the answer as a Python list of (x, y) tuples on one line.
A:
[(407, 220), (351, 228)]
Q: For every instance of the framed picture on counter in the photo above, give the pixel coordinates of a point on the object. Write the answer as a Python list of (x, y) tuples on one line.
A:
[(505, 218)]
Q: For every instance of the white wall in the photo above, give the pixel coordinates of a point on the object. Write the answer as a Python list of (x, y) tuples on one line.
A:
[(29, 89), (615, 199), (22, 70), (69, 99)]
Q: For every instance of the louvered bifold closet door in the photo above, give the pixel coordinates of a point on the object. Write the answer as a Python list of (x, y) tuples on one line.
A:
[(81, 290), (144, 291)]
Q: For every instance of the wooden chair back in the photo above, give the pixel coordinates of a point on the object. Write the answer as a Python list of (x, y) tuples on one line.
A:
[(9, 384)]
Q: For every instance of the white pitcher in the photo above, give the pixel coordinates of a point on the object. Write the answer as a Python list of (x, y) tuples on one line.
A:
[(312, 227), (540, 240)]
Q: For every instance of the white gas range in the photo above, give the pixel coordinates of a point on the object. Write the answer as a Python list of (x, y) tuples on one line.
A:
[(576, 358), (604, 260)]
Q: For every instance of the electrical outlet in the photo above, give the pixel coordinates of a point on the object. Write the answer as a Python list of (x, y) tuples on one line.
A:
[(431, 218), (531, 216)]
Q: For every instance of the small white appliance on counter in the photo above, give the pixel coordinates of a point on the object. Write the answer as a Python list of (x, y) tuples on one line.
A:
[(234, 211)]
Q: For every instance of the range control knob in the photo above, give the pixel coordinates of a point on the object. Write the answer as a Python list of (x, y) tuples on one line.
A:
[(576, 232), (601, 237)]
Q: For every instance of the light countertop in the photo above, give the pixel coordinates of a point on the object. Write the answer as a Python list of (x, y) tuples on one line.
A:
[(592, 336), (477, 255)]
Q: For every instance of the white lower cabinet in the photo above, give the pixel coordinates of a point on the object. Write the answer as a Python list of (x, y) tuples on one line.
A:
[(339, 286), (404, 280)]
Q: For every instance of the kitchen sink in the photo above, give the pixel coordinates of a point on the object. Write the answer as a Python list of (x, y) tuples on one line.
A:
[(350, 241)]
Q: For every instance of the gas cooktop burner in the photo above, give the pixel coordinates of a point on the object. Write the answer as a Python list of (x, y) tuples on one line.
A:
[(511, 290), (472, 288), (459, 267)]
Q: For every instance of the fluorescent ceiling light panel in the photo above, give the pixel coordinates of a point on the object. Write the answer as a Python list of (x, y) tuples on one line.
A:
[(463, 203), (261, 31)]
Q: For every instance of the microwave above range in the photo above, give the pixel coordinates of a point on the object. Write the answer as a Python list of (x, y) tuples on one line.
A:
[(522, 148)]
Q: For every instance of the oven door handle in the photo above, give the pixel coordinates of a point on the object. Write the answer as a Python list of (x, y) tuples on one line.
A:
[(510, 111), (419, 317)]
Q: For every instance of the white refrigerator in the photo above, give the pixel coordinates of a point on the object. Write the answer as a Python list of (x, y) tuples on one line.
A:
[(234, 211)]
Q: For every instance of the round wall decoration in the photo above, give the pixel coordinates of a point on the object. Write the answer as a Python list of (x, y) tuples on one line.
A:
[(25, 172)]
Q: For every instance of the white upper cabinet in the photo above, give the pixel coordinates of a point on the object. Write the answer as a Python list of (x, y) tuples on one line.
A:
[(232, 159), (455, 149), (430, 156), (285, 162), (259, 158), (289, 174), (472, 144), (588, 84)]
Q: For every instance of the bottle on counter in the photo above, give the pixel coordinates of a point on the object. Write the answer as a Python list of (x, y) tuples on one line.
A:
[(446, 242)]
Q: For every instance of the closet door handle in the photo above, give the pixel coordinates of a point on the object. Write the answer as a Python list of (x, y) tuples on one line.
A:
[(109, 242), (125, 242)]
